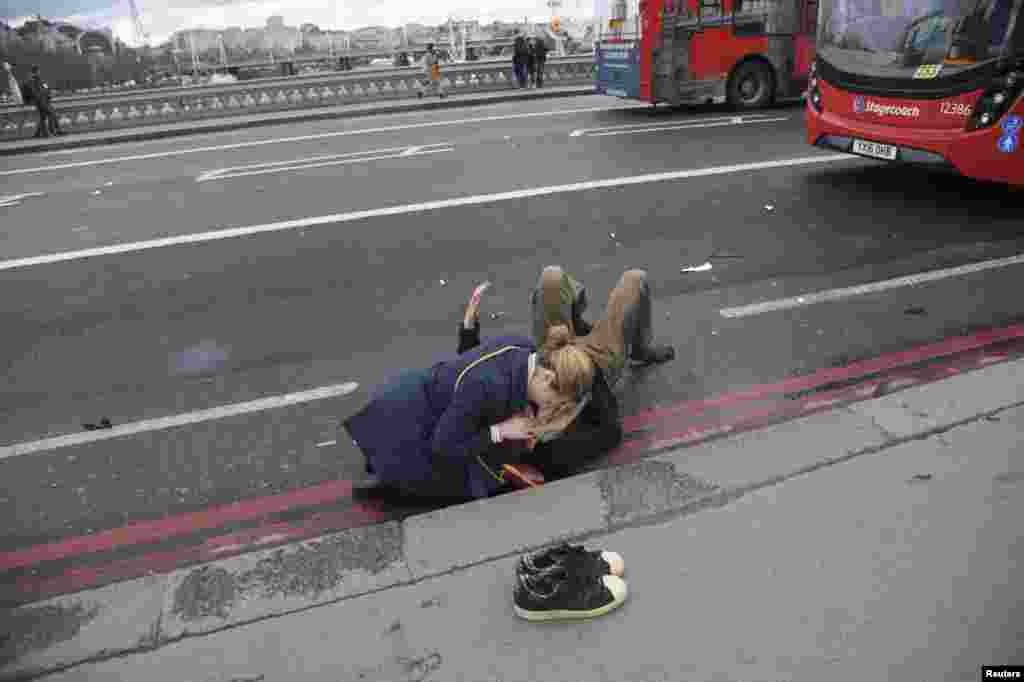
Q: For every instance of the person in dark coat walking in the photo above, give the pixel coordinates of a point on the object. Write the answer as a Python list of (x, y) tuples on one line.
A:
[(539, 51), (40, 95), (446, 431), (520, 59), (531, 63)]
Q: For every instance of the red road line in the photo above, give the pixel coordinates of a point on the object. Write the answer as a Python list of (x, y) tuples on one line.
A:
[(248, 510), (882, 363), (807, 405), (182, 524), (34, 588)]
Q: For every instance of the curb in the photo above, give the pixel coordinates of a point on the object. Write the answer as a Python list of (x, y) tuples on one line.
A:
[(154, 611), (312, 115)]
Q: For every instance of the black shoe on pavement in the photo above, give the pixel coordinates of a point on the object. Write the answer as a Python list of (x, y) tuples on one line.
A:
[(560, 594), (574, 557), (653, 355)]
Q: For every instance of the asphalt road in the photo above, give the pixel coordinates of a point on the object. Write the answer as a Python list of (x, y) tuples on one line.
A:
[(187, 326)]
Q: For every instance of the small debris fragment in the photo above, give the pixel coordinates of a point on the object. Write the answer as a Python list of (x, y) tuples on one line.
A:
[(395, 627), (769, 207), (497, 316), (698, 268), (612, 235), (921, 477), (96, 193), (108, 184), (327, 443), (103, 424), (915, 310), (444, 282)]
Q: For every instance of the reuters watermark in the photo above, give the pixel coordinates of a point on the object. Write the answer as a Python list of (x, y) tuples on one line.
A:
[(1002, 672)]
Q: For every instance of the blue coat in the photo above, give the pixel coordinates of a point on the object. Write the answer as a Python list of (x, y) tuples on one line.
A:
[(416, 417)]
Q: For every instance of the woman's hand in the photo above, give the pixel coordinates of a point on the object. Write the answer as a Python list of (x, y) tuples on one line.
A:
[(518, 427), (473, 307)]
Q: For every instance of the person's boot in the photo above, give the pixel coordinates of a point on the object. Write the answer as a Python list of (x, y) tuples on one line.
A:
[(653, 355), (371, 487)]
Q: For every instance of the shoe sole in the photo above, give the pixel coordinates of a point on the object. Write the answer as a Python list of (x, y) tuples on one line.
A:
[(542, 616)]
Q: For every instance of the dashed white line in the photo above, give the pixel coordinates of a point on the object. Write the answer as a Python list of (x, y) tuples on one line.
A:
[(675, 125), (321, 161), (406, 209), (271, 403), (870, 288)]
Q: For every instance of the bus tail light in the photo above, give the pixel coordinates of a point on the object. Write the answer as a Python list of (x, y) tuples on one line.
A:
[(996, 100)]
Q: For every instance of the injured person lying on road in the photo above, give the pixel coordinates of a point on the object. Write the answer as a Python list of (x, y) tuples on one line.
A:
[(510, 411)]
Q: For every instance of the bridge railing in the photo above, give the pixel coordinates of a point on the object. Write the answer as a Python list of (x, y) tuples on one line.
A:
[(125, 109)]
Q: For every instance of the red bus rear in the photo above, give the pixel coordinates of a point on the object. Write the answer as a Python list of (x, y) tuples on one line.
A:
[(746, 52), (935, 83)]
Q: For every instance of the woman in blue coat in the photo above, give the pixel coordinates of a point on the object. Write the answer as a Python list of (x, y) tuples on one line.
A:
[(433, 432)]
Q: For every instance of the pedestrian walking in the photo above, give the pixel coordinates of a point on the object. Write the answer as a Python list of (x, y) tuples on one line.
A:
[(13, 89), (540, 59), (520, 55), (39, 91), (432, 67), (531, 64)]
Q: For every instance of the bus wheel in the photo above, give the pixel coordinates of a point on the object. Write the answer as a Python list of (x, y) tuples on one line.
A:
[(751, 86)]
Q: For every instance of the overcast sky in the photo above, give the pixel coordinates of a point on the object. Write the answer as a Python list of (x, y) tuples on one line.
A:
[(163, 17)]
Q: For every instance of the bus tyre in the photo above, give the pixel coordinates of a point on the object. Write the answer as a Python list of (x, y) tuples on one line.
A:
[(752, 86)]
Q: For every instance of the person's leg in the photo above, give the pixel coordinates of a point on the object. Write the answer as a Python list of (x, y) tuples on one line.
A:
[(558, 299), (43, 127), (626, 331)]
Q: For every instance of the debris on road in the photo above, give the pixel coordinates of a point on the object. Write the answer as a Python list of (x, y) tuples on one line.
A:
[(698, 268), (103, 424)]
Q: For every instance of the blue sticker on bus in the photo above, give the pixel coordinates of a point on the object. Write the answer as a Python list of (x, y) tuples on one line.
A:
[(1008, 143), (1013, 124)]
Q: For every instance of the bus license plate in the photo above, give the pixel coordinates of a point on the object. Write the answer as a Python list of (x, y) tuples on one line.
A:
[(875, 149)]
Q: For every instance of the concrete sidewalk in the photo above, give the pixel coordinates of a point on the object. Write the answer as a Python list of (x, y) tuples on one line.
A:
[(156, 132), (881, 540)]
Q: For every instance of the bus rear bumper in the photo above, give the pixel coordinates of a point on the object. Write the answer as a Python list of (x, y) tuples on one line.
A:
[(972, 154), (905, 154)]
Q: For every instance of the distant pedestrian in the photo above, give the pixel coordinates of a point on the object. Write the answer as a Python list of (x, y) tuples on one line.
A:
[(531, 64), (13, 89), (432, 67), (540, 59), (40, 95), (520, 57)]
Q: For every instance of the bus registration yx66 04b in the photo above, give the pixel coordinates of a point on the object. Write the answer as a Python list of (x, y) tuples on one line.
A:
[(874, 149)]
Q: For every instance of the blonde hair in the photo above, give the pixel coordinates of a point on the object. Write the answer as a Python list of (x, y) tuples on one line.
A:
[(574, 378)]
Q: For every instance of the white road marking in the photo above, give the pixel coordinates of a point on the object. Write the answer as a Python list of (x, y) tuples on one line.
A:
[(320, 161), (406, 209), (870, 288), (313, 136), (121, 430), (16, 199), (675, 125)]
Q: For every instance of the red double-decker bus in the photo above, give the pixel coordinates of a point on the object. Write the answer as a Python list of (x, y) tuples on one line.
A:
[(746, 52), (936, 83)]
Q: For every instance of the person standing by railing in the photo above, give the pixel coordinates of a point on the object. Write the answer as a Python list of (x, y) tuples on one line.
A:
[(540, 60), (40, 96), (432, 66)]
